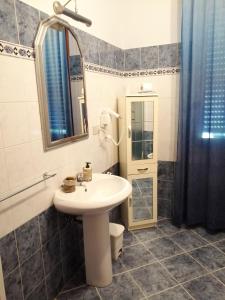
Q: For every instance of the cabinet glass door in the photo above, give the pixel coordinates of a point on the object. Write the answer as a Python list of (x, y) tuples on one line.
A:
[(142, 113), (142, 199)]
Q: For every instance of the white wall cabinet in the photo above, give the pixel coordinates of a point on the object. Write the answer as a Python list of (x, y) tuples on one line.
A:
[(138, 158)]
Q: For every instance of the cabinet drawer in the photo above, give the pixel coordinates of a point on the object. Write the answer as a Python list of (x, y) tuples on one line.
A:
[(142, 169)]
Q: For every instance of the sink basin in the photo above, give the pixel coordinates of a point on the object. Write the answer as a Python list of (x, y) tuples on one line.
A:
[(93, 201), (103, 193)]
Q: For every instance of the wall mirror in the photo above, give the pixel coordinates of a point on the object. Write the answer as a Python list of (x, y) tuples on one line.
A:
[(61, 83)]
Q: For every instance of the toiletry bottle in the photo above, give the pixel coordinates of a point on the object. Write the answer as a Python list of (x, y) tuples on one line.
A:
[(87, 172)]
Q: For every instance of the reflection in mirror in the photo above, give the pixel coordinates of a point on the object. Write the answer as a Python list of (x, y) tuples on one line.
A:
[(62, 90), (142, 130)]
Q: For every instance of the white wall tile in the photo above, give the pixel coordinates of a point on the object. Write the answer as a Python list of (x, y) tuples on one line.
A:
[(14, 123), (34, 123), (3, 173), (19, 164)]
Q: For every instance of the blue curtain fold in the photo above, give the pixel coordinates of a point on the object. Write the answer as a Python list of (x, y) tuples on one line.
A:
[(57, 84), (200, 167)]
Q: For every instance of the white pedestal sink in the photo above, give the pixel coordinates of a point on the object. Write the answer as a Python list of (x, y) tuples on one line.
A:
[(103, 193)]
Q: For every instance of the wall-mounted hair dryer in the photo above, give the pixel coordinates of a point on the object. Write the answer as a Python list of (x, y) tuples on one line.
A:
[(105, 120)]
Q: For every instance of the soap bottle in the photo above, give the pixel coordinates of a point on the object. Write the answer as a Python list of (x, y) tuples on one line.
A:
[(87, 172)]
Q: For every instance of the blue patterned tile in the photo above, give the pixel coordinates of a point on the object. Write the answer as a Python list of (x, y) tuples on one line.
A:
[(183, 267), (32, 273), (149, 57), (163, 248), (206, 288), (82, 293), (136, 256), (209, 257), (106, 54), (28, 20), (153, 278), (43, 16), (39, 293), (210, 237), (166, 170), (187, 240), (132, 59), (168, 55), (176, 293), (168, 228), (51, 254), (8, 28), (164, 208), (119, 289), (119, 59), (54, 282), (83, 40), (8, 253), (165, 189), (28, 239), (93, 54), (13, 287), (48, 224), (220, 275), (148, 234)]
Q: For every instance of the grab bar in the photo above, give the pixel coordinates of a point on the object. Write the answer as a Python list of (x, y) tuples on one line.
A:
[(45, 177)]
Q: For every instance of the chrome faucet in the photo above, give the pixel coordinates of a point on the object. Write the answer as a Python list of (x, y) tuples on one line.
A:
[(80, 180)]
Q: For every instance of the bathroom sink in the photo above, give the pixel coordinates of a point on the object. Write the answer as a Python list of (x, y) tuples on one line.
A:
[(93, 201), (101, 194)]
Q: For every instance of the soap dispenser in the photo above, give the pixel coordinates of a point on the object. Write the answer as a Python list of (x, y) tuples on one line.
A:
[(87, 172)]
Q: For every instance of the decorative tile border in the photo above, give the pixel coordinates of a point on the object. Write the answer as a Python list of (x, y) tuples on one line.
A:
[(19, 51), (137, 73), (16, 50)]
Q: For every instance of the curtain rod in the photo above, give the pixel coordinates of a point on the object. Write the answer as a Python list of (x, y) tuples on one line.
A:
[(61, 9)]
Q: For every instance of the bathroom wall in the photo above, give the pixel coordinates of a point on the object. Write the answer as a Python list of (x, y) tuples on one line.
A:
[(110, 72)]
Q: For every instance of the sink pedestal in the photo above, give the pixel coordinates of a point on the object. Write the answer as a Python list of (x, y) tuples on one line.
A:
[(97, 249)]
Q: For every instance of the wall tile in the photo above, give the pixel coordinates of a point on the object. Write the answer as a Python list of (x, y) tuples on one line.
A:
[(168, 55), (165, 189), (132, 59), (32, 273), (14, 123), (21, 169), (3, 173), (28, 20), (69, 240), (34, 123), (119, 59), (8, 253), (43, 15), (83, 42), (48, 224), (164, 208), (166, 170), (39, 293), (8, 28), (13, 286), (149, 57), (106, 54), (28, 239), (51, 254), (54, 282)]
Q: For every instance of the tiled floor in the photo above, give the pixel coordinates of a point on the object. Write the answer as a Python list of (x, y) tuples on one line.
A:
[(162, 263)]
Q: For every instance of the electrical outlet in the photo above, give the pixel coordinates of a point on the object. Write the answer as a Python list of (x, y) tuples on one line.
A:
[(95, 129)]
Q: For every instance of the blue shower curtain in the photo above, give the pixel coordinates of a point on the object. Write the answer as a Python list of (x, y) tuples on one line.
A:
[(200, 170), (57, 84)]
